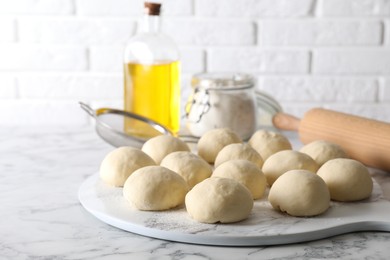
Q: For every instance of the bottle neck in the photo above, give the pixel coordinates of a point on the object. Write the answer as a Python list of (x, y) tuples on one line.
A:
[(151, 23)]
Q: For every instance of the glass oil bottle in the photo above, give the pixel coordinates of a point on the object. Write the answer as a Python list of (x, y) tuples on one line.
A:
[(152, 75)]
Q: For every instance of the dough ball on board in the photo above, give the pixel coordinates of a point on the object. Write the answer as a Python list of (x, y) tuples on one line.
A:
[(300, 193), (283, 161), (246, 173), (266, 143), (212, 142), (219, 200), (120, 163), (155, 188), (347, 179), (322, 151), (189, 166), (160, 146), (238, 151)]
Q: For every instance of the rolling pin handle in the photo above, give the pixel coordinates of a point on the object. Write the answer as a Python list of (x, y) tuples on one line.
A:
[(284, 121)]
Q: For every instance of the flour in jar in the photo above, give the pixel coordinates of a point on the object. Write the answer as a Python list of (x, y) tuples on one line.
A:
[(229, 106)]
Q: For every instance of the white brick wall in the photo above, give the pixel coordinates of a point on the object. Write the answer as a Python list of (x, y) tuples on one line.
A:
[(254, 8), (210, 32), (385, 95), (321, 89), (352, 61), (386, 39), (103, 58), (352, 8), (258, 60), (33, 57), (7, 29), (327, 32), (71, 30), (37, 7), (306, 53), (63, 86), (8, 88)]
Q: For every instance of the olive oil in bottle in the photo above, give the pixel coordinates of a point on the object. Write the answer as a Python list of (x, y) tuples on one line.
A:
[(152, 76)]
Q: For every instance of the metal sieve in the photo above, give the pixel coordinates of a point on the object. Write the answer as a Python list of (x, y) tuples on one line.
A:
[(109, 123)]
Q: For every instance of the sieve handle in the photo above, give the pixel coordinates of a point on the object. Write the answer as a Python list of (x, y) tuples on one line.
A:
[(88, 109)]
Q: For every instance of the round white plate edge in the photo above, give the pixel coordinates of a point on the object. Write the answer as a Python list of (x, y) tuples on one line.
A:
[(224, 240)]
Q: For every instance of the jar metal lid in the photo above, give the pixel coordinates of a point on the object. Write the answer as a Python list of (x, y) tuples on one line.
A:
[(222, 81)]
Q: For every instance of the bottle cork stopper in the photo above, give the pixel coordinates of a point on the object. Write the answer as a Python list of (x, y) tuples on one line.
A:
[(152, 8)]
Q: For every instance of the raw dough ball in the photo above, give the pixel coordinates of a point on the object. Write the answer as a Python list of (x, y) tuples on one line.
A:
[(189, 166), (219, 200), (322, 151), (160, 146), (283, 161), (300, 193), (266, 143), (246, 173), (238, 151), (120, 163), (347, 179), (155, 188), (212, 142)]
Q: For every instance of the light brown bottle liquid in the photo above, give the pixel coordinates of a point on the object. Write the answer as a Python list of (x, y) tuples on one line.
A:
[(153, 91)]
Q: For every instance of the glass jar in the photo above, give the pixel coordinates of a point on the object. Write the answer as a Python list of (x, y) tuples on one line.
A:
[(152, 75), (222, 100)]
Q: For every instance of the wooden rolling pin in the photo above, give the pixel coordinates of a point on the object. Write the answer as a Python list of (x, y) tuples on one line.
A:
[(365, 140)]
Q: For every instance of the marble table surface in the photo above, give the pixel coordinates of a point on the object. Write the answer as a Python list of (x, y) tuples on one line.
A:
[(41, 171)]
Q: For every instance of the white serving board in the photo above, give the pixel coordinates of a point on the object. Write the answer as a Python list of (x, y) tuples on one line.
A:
[(264, 226)]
